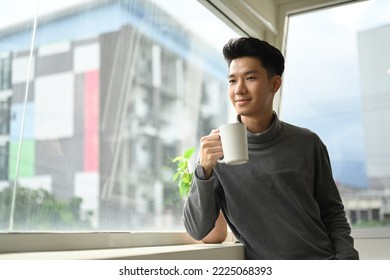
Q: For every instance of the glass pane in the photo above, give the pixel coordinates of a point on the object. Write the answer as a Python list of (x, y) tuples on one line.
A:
[(337, 84), (117, 90)]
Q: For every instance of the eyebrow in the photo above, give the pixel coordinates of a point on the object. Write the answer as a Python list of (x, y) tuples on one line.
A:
[(245, 73)]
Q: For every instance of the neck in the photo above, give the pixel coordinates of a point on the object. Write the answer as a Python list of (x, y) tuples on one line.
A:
[(257, 125)]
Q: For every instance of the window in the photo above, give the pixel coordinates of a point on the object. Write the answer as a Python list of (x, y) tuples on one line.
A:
[(4, 115), (337, 84), (115, 90)]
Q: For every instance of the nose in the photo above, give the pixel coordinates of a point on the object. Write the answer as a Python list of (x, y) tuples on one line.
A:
[(240, 88)]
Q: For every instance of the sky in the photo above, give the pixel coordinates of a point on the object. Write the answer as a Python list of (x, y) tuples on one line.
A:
[(199, 20), (191, 13), (11, 12)]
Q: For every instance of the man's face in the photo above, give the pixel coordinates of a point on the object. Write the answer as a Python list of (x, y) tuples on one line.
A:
[(251, 91)]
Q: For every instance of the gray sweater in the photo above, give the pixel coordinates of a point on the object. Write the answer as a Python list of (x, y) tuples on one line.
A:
[(282, 204)]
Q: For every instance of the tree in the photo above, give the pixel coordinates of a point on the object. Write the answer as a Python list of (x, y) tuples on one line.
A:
[(39, 210)]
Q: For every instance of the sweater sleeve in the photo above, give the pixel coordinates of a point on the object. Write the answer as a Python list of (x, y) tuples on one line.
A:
[(202, 206), (332, 208)]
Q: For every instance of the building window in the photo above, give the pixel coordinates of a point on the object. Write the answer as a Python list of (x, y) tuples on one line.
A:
[(5, 71), (4, 115)]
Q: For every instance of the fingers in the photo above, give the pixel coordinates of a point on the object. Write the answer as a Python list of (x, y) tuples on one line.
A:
[(210, 150)]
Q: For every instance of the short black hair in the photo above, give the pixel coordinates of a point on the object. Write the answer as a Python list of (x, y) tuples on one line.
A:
[(270, 57)]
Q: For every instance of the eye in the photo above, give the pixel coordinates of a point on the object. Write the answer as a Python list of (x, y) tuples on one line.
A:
[(231, 81), (250, 78)]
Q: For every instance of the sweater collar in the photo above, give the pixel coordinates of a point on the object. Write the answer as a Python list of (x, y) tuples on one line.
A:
[(267, 135)]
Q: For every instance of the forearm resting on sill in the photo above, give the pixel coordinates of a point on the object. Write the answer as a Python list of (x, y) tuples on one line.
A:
[(219, 232)]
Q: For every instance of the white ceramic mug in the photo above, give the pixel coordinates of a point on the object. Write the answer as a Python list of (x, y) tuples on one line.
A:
[(234, 144)]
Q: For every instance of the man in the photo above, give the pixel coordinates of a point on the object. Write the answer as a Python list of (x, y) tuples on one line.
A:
[(283, 203)]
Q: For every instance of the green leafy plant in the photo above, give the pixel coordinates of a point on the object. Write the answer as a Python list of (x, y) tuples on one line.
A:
[(183, 174), (38, 209)]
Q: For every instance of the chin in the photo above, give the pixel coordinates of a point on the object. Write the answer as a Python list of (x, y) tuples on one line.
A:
[(242, 112)]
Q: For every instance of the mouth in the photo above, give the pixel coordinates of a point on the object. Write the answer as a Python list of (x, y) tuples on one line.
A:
[(242, 101)]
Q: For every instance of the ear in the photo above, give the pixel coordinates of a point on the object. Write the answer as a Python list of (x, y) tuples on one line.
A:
[(276, 83)]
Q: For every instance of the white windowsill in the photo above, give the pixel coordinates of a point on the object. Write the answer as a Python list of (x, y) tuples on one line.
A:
[(372, 243), (224, 251), (114, 245)]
